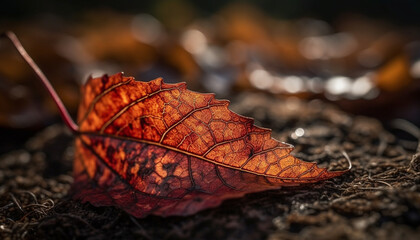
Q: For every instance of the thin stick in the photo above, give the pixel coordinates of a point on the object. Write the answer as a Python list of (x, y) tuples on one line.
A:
[(63, 111), (348, 159), (16, 202)]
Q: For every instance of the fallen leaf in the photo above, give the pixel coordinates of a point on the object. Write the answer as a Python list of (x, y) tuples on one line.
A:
[(156, 148)]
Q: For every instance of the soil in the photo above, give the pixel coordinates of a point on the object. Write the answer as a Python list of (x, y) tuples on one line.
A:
[(378, 199)]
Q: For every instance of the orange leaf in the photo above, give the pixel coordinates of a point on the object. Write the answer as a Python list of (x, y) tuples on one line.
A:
[(156, 148)]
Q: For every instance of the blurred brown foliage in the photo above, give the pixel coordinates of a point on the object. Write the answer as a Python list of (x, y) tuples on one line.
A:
[(364, 65)]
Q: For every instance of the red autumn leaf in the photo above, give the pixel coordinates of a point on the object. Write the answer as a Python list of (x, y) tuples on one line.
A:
[(156, 148)]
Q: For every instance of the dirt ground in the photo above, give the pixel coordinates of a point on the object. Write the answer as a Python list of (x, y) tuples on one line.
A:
[(378, 199)]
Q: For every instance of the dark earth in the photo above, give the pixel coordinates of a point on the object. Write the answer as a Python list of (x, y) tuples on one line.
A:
[(378, 199)]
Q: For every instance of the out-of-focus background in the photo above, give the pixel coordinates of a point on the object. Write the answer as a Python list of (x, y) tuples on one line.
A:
[(363, 56)]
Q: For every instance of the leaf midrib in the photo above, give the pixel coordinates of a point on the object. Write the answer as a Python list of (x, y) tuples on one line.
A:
[(201, 157)]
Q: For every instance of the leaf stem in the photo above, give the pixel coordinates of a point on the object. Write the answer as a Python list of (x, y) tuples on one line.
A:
[(62, 109)]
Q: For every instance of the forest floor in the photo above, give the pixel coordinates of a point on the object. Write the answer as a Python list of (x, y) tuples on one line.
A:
[(378, 199)]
